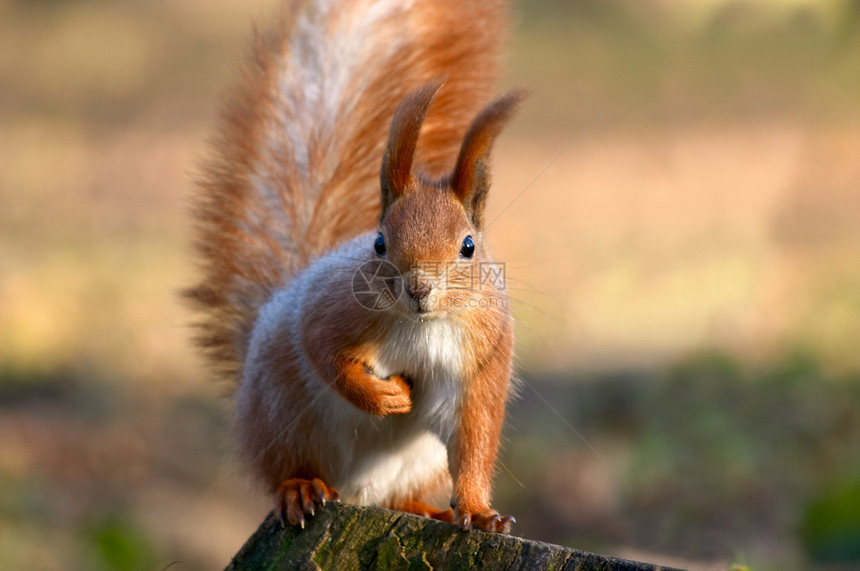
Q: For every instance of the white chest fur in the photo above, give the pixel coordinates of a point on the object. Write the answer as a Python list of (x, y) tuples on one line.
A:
[(387, 456), (429, 352)]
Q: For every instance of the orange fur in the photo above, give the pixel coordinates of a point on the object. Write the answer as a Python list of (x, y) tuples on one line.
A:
[(330, 390), (418, 507)]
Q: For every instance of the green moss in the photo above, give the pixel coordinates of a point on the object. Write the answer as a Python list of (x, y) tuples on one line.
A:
[(832, 524), (390, 555)]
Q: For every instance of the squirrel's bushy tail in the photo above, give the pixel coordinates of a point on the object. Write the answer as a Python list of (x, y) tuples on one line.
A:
[(294, 169)]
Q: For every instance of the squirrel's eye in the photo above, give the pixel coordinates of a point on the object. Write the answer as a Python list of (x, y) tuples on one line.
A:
[(379, 245), (467, 250)]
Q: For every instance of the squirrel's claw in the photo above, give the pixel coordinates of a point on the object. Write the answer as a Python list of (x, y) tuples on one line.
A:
[(319, 491), (298, 497)]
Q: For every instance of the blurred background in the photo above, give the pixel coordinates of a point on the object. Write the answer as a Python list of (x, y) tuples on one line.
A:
[(678, 207)]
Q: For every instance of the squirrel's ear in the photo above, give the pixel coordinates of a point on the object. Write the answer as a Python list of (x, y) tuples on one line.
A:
[(470, 180), (396, 171)]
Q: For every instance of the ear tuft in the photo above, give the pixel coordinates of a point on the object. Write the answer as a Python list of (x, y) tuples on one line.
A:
[(396, 172), (470, 180)]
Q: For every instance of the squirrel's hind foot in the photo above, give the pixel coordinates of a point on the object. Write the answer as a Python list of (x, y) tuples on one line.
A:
[(298, 497), (488, 520)]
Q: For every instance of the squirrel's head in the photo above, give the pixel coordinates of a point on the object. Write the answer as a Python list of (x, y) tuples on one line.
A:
[(431, 229)]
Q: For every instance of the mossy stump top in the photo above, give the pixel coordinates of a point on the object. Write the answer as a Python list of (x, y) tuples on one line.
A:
[(344, 537)]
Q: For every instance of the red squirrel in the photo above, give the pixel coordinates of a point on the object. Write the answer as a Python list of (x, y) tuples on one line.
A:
[(357, 142)]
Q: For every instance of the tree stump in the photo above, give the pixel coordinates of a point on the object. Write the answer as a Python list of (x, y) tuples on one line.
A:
[(345, 537)]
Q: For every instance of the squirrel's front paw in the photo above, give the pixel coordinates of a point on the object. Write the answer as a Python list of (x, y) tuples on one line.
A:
[(298, 497), (382, 397), (391, 396), (488, 520)]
